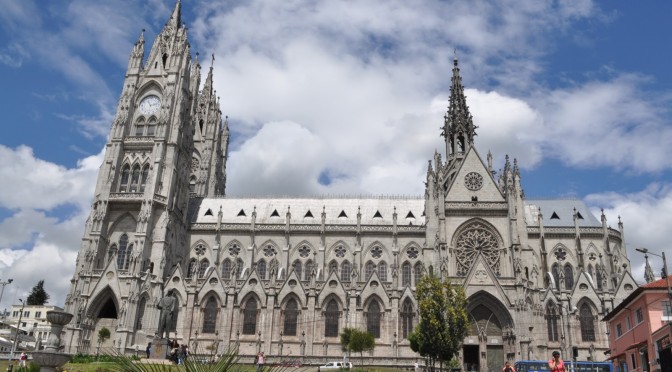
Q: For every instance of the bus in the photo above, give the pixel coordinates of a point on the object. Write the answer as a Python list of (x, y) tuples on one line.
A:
[(581, 366)]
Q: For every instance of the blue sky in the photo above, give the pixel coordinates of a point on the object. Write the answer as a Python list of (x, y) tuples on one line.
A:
[(328, 97)]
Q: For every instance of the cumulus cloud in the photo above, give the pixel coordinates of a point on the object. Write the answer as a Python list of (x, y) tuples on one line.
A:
[(646, 218), (47, 205)]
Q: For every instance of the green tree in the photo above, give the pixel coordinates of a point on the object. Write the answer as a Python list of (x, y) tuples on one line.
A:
[(443, 320), (355, 341), (38, 296), (103, 335)]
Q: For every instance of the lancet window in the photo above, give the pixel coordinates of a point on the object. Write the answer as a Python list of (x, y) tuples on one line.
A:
[(202, 267), (569, 277), (407, 317), (261, 269), (291, 316), (250, 317), (587, 321), (406, 274), (552, 322), (373, 319), (210, 316), (345, 271), (331, 316)]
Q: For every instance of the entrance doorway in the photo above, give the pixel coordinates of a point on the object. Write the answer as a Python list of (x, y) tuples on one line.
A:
[(470, 358)]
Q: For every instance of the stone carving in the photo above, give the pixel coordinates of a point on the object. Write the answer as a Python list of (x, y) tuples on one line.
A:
[(168, 306), (473, 242)]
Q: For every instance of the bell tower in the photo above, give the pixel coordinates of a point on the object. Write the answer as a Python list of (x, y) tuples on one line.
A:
[(136, 233)]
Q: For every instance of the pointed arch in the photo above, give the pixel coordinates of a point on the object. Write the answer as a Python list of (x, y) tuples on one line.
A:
[(291, 315), (226, 269), (121, 252), (375, 250), (203, 267), (125, 178), (140, 126), (373, 315), (268, 249), (261, 268), (488, 314), (250, 311), (304, 249), (333, 267), (368, 270), (555, 271), (411, 251), (192, 268), (144, 176), (339, 249), (140, 313), (407, 315), (552, 316), (135, 178), (406, 274), (151, 126), (418, 271), (346, 270), (332, 313), (587, 320), (475, 238), (382, 271), (104, 305), (569, 276), (309, 270), (233, 247), (210, 315)]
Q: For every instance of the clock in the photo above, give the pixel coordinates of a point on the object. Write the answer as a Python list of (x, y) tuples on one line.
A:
[(150, 105)]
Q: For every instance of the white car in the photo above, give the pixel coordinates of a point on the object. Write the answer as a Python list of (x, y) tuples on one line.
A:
[(335, 365)]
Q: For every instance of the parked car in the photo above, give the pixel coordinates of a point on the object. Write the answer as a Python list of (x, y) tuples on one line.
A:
[(335, 365)]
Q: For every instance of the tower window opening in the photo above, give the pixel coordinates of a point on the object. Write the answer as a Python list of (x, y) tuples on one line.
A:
[(164, 59)]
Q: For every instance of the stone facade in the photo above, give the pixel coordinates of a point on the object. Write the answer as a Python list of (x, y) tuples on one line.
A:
[(286, 275)]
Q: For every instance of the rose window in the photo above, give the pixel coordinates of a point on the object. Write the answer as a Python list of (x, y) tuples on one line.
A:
[(340, 251), (560, 254), (200, 250), (234, 249), (376, 252), (269, 251), (304, 251), (473, 181), (412, 252), (477, 240)]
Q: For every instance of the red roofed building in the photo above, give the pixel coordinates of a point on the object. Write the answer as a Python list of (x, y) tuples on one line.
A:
[(640, 330)]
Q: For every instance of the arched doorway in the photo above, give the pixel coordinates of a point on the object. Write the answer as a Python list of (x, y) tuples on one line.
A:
[(104, 313), (486, 348)]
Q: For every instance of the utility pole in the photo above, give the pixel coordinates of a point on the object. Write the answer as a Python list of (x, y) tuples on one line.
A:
[(16, 336), (3, 284)]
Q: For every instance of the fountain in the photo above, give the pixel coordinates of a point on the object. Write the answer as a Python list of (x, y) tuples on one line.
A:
[(50, 358)]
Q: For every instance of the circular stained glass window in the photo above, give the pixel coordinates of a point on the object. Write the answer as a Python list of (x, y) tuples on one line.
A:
[(473, 181)]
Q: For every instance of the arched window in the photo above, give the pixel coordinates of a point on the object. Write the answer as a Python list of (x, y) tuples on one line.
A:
[(125, 176), (121, 252), (345, 271), (309, 270), (226, 269), (135, 178), (382, 270), (368, 270), (406, 274), (587, 321), (555, 271), (291, 315), (598, 275), (210, 316), (417, 272), (202, 267), (141, 313), (140, 127), (373, 319), (297, 268), (143, 180), (331, 316), (407, 317), (261, 269), (192, 268), (591, 273), (333, 267), (192, 184), (151, 126), (250, 317), (569, 277), (552, 322)]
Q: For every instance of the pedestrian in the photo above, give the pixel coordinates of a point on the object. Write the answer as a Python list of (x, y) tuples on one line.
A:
[(556, 364), (182, 354), (148, 349), (23, 359), (508, 367), (260, 362)]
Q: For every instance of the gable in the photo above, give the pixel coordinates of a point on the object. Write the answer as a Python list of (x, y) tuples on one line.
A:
[(473, 182)]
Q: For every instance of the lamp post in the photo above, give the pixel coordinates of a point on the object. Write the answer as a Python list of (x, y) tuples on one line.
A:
[(3, 284), (667, 274), (16, 336)]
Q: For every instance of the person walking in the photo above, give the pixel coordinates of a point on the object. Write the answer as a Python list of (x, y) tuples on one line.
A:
[(556, 364), (261, 359), (508, 367), (23, 360), (148, 349)]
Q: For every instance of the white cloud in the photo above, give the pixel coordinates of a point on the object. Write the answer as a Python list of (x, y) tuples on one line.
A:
[(37, 241), (646, 217)]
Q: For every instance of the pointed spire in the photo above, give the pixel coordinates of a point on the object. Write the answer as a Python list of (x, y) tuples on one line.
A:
[(459, 129), (648, 271), (138, 53), (207, 88), (176, 18)]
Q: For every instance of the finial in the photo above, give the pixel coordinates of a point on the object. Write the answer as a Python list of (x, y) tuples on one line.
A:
[(455, 57), (212, 63)]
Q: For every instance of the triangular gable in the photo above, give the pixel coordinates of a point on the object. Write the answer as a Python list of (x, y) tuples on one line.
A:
[(479, 276), (327, 290), (626, 286), (297, 289), (256, 288), (374, 286), (457, 189), (585, 288)]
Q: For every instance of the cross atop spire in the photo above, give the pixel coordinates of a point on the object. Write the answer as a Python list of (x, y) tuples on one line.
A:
[(459, 129)]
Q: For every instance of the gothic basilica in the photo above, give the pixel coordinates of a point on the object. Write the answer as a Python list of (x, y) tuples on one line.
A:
[(286, 275)]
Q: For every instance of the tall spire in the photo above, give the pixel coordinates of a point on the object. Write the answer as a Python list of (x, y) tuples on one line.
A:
[(459, 129), (176, 18)]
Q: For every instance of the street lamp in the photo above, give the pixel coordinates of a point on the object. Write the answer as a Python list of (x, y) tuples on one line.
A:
[(667, 274), (16, 336), (3, 284)]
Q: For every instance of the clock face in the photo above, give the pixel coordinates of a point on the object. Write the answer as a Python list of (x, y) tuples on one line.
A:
[(150, 105)]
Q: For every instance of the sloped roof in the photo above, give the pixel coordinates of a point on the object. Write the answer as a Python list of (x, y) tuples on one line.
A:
[(660, 283), (374, 210), (559, 212)]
